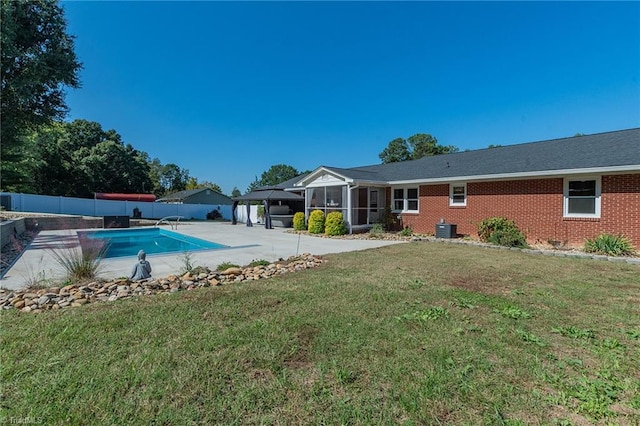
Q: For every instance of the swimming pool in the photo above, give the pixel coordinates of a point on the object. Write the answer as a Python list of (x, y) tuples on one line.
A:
[(128, 242)]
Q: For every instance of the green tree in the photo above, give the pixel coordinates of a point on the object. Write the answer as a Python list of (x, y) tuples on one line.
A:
[(55, 173), (235, 192), (193, 183), (79, 159), (415, 147), (425, 145), (38, 61), (396, 151), (173, 178), (155, 170), (253, 185), (112, 166), (276, 174)]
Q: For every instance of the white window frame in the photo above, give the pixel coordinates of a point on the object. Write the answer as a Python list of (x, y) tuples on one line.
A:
[(453, 203), (597, 197), (405, 199)]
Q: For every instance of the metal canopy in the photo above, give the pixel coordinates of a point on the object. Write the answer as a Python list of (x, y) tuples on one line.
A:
[(270, 195), (266, 196)]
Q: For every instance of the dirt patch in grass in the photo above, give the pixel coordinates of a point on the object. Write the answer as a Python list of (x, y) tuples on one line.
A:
[(560, 412), (479, 283), (301, 357)]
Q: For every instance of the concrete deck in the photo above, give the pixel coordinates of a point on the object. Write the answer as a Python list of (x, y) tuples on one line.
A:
[(246, 244)]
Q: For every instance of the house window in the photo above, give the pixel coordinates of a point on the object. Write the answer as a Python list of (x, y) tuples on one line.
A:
[(405, 199), (458, 194), (398, 199), (412, 199), (582, 197)]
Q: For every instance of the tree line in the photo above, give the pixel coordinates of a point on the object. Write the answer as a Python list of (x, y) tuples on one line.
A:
[(79, 158)]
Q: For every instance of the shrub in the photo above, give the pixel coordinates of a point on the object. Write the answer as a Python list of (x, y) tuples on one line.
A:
[(334, 225), (406, 231), (187, 262), (376, 231), (260, 211), (299, 222), (610, 245), (259, 262), (316, 222), (501, 231), (226, 265), (390, 221), (81, 263), (214, 214)]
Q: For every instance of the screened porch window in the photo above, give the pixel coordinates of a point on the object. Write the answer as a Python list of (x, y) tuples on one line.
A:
[(328, 199)]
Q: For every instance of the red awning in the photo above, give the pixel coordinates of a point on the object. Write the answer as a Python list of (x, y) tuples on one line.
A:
[(145, 198)]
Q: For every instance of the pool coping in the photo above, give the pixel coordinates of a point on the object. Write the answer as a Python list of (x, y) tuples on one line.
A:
[(201, 244)]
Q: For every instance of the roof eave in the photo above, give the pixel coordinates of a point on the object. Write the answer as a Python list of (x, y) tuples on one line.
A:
[(524, 175), (317, 172)]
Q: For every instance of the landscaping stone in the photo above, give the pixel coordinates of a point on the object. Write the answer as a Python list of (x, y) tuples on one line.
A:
[(110, 291)]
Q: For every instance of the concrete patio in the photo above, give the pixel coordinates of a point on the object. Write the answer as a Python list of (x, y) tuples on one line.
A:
[(245, 245)]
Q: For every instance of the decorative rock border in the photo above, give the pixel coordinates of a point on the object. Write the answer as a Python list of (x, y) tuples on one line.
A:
[(557, 253), (574, 253), (54, 298)]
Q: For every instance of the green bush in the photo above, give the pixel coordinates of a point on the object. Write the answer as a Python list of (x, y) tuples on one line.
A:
[(226, 265), (390, 220), (501, 231), (406, 231), (610, 245), (376, 231), (334, 225), (81, 263), (316, 222), (299, 222), (214, 215)]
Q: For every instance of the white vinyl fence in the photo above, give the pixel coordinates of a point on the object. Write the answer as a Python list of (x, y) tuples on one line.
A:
[(92, 207)]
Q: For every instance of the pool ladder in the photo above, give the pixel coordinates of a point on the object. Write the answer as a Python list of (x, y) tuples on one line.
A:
[(173, 225)]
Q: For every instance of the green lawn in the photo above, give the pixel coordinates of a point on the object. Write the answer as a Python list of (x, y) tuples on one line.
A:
[(418, 333)]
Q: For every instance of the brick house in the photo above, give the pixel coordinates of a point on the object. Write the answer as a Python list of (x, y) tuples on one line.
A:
[(561, 190)]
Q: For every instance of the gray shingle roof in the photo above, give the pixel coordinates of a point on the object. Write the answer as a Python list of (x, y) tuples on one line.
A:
[(182, 195), (602, 150)]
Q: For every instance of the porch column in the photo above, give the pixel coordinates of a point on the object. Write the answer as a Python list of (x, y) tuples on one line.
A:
[(349, 209)]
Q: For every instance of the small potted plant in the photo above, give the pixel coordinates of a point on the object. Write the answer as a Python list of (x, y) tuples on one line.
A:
[(260, 213)]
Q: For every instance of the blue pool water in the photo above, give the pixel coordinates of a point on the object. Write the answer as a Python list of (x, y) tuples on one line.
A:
[(127, 242)]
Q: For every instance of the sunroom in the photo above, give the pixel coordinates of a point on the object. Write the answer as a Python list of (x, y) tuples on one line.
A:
[(361, 203)]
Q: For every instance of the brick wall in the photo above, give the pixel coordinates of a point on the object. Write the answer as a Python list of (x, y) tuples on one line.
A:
[(536, 205)]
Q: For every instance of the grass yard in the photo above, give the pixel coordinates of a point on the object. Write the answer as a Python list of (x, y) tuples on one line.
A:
[(418, 333)]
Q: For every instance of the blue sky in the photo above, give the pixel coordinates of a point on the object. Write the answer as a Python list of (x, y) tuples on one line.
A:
[(228, 89)]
